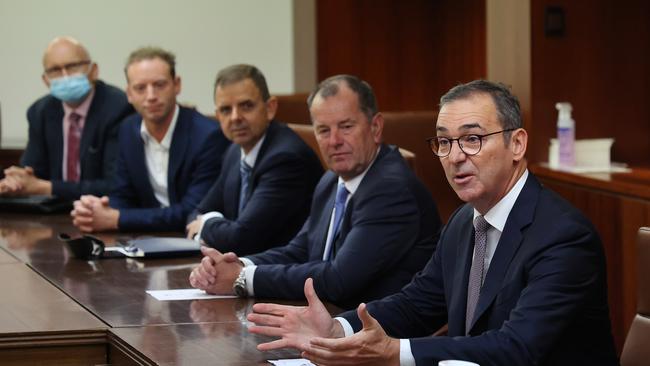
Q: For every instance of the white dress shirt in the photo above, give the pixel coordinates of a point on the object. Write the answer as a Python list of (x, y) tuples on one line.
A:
[(156, 156), (496, 217)]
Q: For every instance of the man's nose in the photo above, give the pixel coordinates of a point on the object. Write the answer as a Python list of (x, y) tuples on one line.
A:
[(456, 154)]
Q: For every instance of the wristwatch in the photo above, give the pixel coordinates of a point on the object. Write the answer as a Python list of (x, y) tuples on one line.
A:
[(239, 286)]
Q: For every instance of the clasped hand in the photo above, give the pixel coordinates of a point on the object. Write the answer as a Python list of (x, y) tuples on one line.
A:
[(20, 181), (91, 213), (217, 272)]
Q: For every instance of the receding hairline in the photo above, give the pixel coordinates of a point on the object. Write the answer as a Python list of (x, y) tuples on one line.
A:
[(66, 40)]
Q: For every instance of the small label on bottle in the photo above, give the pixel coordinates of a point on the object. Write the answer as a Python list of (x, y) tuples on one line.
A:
[(566, 141)]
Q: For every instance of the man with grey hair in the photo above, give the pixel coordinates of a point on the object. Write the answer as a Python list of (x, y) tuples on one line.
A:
[(72, 144), (372, 223), (169, 155), (518, 274)]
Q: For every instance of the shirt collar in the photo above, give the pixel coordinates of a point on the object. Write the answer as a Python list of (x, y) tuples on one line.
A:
[(251, 157), (352, 184), (167, 140), (81, 109), (498, 215)]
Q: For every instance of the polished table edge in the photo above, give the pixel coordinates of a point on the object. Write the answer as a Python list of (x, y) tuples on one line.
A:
[(122, 346), (53, 338)]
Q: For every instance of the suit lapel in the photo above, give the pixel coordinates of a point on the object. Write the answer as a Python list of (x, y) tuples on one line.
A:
[(54, 127), (520, 217), (179, 144), (90, 125), (464, 251), (323, 223), (233, 184), (138, 166)]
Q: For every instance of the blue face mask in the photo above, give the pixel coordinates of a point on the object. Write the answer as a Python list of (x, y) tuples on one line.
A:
[(70, 88)]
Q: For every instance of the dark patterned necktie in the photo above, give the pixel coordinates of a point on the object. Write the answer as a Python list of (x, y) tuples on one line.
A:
[(74, 138), (477, 272), (339, 210), (245, 173)]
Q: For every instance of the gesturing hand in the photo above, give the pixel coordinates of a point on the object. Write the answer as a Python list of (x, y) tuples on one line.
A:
[(370, 346), (295, 325)]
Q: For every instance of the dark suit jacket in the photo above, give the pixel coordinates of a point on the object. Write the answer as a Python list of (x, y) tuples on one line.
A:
[(98, 150), (388, 232), (279, 193), (543, 302), (195, 156)]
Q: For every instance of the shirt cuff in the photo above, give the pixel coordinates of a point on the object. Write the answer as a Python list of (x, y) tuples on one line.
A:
[(204, 218), (249, 273), (246, 262), (405, 355), (347, 328)]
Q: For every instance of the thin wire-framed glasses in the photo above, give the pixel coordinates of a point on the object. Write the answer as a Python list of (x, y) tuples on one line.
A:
[(469, 144)]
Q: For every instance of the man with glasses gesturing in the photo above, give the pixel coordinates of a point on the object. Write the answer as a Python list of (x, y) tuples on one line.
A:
[(518, 273), (72, 146)]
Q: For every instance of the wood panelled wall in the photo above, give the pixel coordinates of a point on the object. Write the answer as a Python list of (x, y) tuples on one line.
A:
[(411, 52), (602, 66)]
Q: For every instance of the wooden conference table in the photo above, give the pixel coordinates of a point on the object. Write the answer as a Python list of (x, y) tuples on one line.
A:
[(67, 311)]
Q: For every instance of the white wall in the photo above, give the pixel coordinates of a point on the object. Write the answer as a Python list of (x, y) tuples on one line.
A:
[(205, 35)]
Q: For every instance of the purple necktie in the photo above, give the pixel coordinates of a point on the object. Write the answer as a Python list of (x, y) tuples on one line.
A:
[(477, 272), (74, 137)]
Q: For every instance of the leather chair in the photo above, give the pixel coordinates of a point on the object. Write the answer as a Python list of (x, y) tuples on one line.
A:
[(409, 130), (292, 108), (306, 132), (636, 351)]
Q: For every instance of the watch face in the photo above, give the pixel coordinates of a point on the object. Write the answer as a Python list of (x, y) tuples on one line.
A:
[(239, 290)]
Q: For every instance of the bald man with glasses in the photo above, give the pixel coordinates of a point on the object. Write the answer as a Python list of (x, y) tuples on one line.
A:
[(72, 146)]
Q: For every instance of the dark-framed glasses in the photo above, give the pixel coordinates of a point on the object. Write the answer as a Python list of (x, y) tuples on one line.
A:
[(469, 144), (69, 68)]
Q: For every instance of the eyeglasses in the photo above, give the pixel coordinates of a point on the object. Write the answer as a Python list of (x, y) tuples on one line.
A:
[(469, 144), (71, 68)]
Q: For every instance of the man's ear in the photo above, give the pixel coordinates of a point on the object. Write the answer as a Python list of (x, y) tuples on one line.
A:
[(519, 143), (271, 107), (377, 127)]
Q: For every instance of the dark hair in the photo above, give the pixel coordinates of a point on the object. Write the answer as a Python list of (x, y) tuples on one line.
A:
[(330, 87), (148, 53), (506, 103), (236, 73)]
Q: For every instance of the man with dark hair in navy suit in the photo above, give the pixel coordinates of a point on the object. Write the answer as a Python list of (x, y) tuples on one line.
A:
[(518, 274), (72, 144), (262, 195), (372, 223), (169, 155)]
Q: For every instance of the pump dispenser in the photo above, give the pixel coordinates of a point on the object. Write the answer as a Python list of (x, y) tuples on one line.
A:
[(565, 135)]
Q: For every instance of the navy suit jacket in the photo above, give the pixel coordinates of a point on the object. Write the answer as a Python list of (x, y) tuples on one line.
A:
[(388, 232), (543, 302), (98, 150), (279, 193), (195, 156)]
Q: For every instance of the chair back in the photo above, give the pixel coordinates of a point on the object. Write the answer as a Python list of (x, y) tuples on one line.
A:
[(636, 351)]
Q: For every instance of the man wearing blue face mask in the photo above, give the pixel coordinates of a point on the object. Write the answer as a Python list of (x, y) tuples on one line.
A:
[(72, 145)]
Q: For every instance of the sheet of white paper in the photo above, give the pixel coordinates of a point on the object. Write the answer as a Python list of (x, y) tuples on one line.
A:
[(185, 294), (292, 362)]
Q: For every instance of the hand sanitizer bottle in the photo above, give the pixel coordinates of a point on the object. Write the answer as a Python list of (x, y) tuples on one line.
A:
[(565, 135)]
